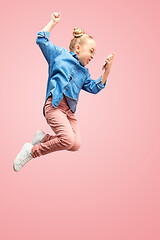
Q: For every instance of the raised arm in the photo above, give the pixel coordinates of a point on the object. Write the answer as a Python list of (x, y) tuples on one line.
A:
[(48, 49)]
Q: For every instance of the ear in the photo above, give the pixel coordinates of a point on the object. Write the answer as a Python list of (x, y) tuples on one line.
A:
[(77, 48)]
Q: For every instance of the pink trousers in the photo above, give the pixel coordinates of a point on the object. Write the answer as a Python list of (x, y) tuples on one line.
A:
[(64, 124)]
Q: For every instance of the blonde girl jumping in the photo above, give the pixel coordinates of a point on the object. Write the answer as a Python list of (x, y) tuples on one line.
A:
[(67, 76)]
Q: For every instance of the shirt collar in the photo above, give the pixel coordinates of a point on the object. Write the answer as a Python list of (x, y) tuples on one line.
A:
[(76, 56)]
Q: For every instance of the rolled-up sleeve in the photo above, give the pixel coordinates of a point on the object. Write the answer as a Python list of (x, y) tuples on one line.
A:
[(49, 50), (93, 86)]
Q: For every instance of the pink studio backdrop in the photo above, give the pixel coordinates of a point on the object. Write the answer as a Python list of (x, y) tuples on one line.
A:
[(109, 189)]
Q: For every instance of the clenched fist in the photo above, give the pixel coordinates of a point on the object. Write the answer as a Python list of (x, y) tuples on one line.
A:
[(55, 17)]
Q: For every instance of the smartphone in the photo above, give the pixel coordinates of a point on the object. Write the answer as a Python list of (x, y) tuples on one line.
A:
[(104, 65), (106, 62)]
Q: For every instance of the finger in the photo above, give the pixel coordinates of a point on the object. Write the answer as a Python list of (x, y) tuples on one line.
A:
[(111, 56), (55, 14)]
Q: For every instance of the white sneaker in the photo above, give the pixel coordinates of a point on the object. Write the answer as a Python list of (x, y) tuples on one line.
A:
[(39, 135), (23, 157)]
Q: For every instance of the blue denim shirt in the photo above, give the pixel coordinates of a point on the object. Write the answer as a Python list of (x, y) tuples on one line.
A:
[(67, 75)]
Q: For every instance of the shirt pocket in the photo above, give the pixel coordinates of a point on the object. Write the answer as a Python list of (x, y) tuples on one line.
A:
[(78, 80)]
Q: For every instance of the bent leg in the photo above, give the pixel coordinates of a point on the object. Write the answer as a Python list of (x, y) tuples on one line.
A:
[(64, 138), (76, 130)]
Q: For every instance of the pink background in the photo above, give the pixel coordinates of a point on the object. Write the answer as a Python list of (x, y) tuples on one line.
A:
[(110, 188)]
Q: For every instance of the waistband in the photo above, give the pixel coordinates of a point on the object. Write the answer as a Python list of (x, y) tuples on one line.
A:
[(63, 101), (63, 105)]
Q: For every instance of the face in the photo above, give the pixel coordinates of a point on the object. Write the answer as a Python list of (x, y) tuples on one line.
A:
[(86, 51)]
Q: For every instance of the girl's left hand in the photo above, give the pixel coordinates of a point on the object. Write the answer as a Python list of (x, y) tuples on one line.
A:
[(108, 62)]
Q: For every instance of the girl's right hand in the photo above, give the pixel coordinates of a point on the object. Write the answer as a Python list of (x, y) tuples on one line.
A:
[(55, 17)]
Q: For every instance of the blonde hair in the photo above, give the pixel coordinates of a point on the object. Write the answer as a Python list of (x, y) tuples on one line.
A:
[(80, 38)]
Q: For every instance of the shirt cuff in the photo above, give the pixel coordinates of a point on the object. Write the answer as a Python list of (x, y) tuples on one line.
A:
[(44, 34), (100, 83)]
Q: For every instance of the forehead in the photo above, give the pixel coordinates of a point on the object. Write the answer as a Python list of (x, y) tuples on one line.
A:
[(91, 43)]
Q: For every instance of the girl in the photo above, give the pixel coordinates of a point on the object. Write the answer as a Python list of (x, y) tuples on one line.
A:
[(67, 76)]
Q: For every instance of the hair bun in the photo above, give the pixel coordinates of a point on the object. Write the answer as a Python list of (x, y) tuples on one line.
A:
[(78, 32)]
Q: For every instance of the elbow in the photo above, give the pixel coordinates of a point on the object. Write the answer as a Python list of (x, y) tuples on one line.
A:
[(94, 90), (37, 40)]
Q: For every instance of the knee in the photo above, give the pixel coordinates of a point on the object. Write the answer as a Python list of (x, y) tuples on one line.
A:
[(76, 146), (67, 142)]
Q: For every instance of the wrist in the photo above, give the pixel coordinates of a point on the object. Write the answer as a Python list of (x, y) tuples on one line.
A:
[(105, 76), (49, 26), (106, 73), (52, 23)]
